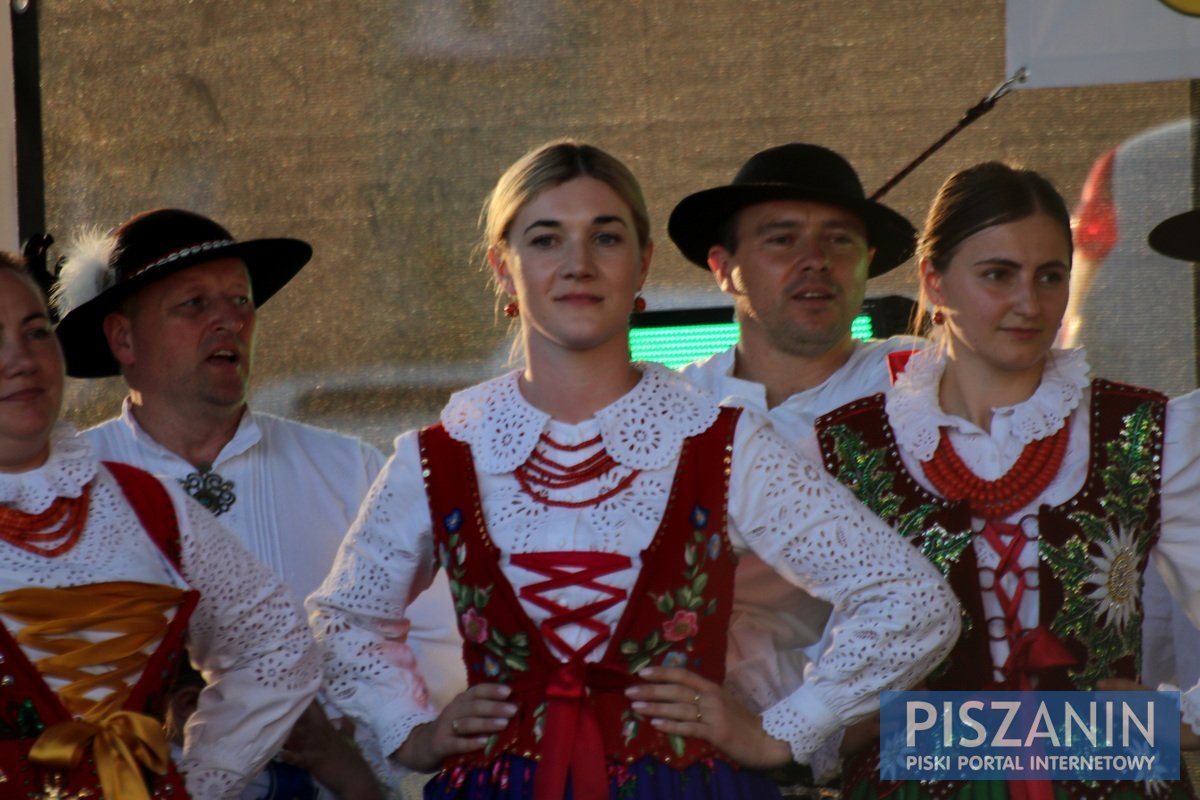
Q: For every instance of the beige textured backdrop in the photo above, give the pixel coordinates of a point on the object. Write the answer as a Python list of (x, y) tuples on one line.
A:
[(374, 129)]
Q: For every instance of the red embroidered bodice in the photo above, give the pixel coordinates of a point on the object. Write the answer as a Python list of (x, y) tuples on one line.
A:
[(28, 705), (1113, 519), (574, 713)]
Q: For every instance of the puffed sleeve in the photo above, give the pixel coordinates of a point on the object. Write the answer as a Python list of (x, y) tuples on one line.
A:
[(358, 613), (259, 660), (1177, 554), (897, 617)]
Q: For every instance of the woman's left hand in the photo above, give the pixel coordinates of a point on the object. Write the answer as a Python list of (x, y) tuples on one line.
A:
[(1188, 738), (683, 703)]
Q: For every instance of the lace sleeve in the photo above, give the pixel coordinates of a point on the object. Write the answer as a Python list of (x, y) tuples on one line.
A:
[(358, 613), (899, 617), (249, 639)]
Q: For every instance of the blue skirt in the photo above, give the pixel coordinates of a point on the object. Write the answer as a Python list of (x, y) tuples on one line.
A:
[(511, 778)]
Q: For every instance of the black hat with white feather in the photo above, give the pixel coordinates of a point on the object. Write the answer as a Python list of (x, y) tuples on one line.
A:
[(102, 269)]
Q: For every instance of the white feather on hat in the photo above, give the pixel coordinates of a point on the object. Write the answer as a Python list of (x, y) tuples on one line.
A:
[(86, 270)]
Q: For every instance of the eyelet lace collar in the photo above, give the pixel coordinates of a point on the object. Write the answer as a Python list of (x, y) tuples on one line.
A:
[(644, 429), (70, 466), (917, 417)]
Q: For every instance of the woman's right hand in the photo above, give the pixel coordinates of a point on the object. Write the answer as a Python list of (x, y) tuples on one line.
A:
[(463, 726)]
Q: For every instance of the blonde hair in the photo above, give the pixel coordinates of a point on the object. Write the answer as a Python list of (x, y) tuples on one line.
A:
[(553, 164), (544, 167)]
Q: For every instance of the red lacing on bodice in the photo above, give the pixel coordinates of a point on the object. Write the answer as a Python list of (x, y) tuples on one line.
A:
[(1029, 650), (573, 740), (573, 568)]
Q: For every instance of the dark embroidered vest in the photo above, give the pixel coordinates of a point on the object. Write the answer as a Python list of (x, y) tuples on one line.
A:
[(1113, 518), (28, 705), (677, 612)]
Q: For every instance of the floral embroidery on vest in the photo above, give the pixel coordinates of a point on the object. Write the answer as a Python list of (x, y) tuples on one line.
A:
[(677, 613), (1100, 567), (1092, 551), (674, 641), (682, 608), (507, 652), (865, 471)]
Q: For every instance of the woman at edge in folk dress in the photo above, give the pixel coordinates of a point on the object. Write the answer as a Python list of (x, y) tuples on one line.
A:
[(105, 571), (1039, 493), (588, 510)]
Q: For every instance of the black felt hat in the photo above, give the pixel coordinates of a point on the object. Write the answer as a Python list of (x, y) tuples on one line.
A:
[(103, 270), (791, 172), (1178, 236)]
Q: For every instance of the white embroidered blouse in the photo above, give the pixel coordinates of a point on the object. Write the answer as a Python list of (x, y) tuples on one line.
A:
[(246, 635), (901, 618), (1062, 398)]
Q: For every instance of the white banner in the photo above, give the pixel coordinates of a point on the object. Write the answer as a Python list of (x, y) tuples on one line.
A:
[(1087, 42)]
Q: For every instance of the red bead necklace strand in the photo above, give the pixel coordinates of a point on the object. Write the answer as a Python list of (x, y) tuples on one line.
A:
[(1026, 479), (541, 471), (37, 534)]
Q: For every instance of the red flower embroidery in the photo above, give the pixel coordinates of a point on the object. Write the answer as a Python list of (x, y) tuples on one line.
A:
[(683, 625), (475, 627)]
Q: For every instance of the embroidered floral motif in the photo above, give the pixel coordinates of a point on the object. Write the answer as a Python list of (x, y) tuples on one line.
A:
[(684, 606), (1116, 580), (684, 625), (506, 652), (475, 626), (1100, 567), (675, 658), (865, 472)]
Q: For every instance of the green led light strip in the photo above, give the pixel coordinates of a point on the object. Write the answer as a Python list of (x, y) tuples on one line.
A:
[(676, 345)]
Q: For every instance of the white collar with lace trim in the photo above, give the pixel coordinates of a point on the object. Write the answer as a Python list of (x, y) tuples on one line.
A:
[(70, 466), (916, 415), (644, 429)]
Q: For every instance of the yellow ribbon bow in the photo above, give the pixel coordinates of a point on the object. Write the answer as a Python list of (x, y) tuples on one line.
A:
[(122, 741)]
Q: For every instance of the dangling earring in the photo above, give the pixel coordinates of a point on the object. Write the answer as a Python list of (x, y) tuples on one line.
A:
[(639, 304), (939, 318), (512, 310)]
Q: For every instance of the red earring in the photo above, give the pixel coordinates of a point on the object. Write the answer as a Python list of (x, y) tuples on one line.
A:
[(639, 304), (939, 318), (512, 310)]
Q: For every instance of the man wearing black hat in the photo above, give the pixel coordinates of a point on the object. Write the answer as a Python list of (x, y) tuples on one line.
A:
[(168, 300), (793, 239)]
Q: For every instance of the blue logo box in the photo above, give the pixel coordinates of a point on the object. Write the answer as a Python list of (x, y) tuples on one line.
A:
[(1029, 736)]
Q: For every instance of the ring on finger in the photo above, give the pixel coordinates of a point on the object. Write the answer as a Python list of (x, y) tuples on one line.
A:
[(454, 725), (696, 699), (699, 715)]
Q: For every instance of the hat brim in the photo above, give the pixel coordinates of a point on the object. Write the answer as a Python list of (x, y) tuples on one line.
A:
[(271, 263), (1178, 236), (695, 223)]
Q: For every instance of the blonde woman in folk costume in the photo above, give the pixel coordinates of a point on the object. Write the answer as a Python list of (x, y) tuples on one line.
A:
[(588, 511), (104, 573), (1039, 492)]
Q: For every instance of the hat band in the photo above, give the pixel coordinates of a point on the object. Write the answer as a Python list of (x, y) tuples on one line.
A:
[(178, 254)]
